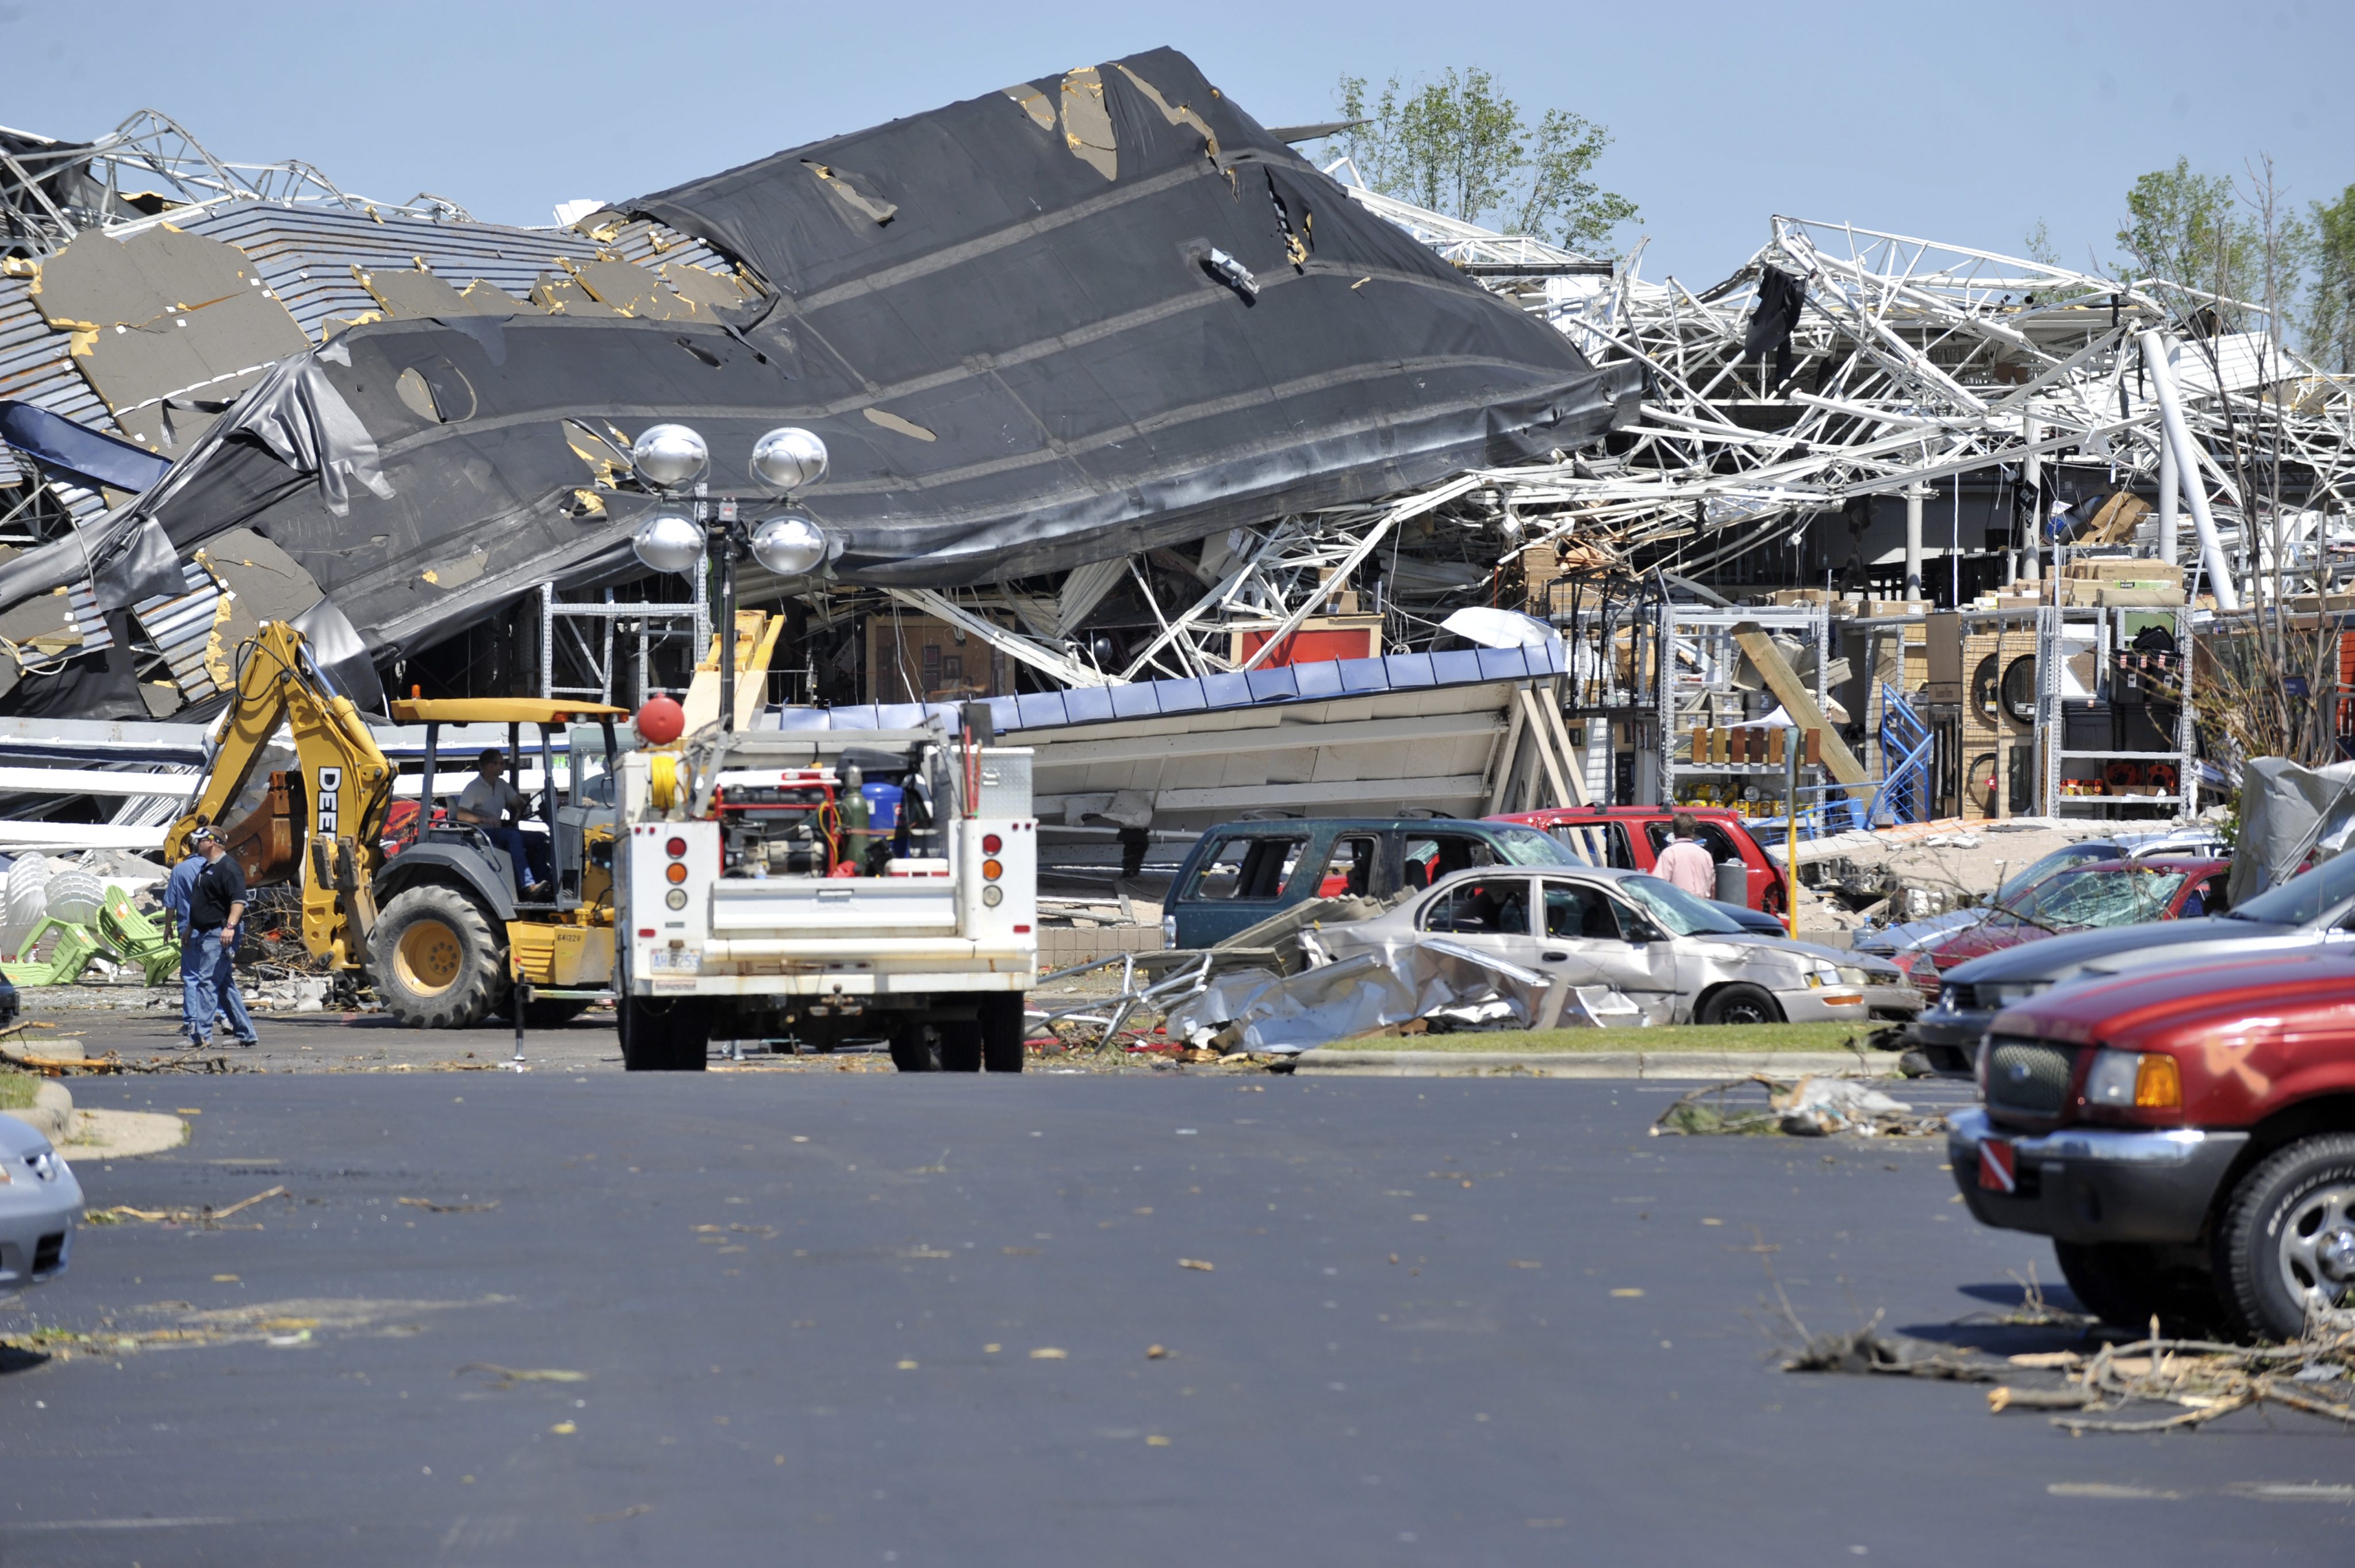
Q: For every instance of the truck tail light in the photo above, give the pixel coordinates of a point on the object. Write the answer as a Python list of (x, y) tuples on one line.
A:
[(675, 848), (676, 871), (993, 870), (991, 843)]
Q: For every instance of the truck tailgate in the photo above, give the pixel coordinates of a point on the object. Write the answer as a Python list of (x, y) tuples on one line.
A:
[(832, 905)]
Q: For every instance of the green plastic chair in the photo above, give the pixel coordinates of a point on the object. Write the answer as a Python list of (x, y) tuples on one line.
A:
[(136, 939)]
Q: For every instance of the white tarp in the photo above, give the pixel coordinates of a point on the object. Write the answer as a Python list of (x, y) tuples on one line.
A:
[(2287, 812)]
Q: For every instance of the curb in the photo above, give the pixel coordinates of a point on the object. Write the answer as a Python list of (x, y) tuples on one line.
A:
[(51, 1114), (1694, 1065)]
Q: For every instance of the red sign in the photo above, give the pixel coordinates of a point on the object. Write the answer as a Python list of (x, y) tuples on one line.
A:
[(1998, 1166)]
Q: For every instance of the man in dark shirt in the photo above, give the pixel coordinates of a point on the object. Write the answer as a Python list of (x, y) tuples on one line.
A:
[(208, 943)]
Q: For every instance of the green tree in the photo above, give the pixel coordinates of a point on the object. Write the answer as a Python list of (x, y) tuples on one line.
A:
[(2187, 228), (1458, 146), (2331, 311)]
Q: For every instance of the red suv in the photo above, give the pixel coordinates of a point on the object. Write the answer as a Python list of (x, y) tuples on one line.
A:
[(1631, 837), (2186, 1139)]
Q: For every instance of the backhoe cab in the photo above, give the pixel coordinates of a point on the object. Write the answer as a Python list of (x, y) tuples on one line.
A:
[(432, 912)]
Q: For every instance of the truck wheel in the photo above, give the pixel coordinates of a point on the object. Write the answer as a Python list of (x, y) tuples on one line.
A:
[(1741, 1005), (2127, 1283), (961, 1041), (434, 960), (662, 1036), (912, 1049), (1001, 1033), (2287, 1247)]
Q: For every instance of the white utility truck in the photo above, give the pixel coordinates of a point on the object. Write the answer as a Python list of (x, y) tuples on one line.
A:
[(827, 886)]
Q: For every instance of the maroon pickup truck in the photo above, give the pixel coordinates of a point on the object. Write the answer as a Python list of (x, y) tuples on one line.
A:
[(2186, 1139)]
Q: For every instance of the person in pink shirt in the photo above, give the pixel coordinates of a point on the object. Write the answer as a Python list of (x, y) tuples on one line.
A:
[(1685, 862)]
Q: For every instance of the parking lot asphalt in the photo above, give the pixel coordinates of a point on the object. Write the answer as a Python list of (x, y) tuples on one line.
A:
[(861, 1318)]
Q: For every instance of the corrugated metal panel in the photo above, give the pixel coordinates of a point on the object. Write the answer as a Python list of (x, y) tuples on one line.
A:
[(305, 254), (181, 627), (87, 623)]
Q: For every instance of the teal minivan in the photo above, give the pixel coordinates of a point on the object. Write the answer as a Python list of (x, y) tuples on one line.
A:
[(1242, 872)]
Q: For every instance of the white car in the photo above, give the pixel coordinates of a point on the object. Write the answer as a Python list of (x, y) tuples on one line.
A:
[(40, 1202), (1676, 958)]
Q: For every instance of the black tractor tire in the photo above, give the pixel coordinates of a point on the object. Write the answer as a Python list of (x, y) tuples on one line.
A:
[(1740, 1004), (913, 1048), (669, 1036), (436, 960), (2287, 1239), (552, 1012), (961, 1045), (2129, 1282), (1001, 1033)]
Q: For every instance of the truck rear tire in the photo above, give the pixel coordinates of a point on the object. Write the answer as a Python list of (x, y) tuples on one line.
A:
[(961, 1043), (912, 1050), (662, 1036), (436, 961), (1001, 1033), (2128, 1283), (2287, 1240)]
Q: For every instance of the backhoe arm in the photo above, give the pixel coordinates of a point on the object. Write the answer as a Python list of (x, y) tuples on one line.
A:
[(347, 787)]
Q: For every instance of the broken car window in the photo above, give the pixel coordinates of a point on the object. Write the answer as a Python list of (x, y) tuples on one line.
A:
[(1349, 868), (2113, 896), (1676, 909), (1251, 867), (1579, 911), (1482, 908)]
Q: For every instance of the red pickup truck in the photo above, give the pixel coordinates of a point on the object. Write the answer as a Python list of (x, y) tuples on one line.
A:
[(2186, 1139)]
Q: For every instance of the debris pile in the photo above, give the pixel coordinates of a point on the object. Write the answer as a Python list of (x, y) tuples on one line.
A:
[(1812, 1106)]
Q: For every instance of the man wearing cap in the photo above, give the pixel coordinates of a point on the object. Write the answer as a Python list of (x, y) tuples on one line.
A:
[(178, 888), (486, 803), (208, 943)]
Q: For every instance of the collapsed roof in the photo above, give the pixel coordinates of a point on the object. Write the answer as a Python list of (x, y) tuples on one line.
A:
[(1061, 322)]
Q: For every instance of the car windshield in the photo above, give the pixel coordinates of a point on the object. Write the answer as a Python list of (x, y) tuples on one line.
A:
[(2051, 866), (1528, 846), (1676, 909), (2305, 897), (2116, 895)]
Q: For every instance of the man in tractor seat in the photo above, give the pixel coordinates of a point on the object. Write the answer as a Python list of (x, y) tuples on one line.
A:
[(487, 803)]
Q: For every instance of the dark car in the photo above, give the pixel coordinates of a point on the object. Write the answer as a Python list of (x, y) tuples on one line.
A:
[(1240, 873), (2106, 893), (2311, 913)]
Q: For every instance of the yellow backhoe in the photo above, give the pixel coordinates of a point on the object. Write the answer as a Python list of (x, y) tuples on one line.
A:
[(432, 912)]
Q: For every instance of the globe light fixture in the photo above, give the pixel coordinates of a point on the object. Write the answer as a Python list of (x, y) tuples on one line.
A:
[(668, 542), (669, 455), (790, 543), (788, 458)]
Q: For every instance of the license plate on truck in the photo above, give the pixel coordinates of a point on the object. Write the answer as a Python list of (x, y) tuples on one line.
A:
[(676, 960)]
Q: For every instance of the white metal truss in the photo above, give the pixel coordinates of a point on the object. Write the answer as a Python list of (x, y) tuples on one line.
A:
[(144, 170)]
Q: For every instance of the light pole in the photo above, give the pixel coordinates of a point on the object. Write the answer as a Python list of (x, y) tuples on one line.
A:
[(671, 459)]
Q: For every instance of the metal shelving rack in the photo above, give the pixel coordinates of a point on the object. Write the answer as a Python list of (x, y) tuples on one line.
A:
[(1711, 633), (2051, 732)]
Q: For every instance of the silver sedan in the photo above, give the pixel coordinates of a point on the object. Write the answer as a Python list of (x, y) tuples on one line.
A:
[(1674, 956), (40, 1202)]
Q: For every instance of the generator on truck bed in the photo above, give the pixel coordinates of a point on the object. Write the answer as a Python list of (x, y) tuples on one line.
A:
[(827, 886)]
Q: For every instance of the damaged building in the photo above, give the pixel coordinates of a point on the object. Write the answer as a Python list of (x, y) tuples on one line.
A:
[(1184, 452)]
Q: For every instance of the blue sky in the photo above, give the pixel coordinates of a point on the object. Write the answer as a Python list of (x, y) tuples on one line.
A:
[(1960, 124)]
